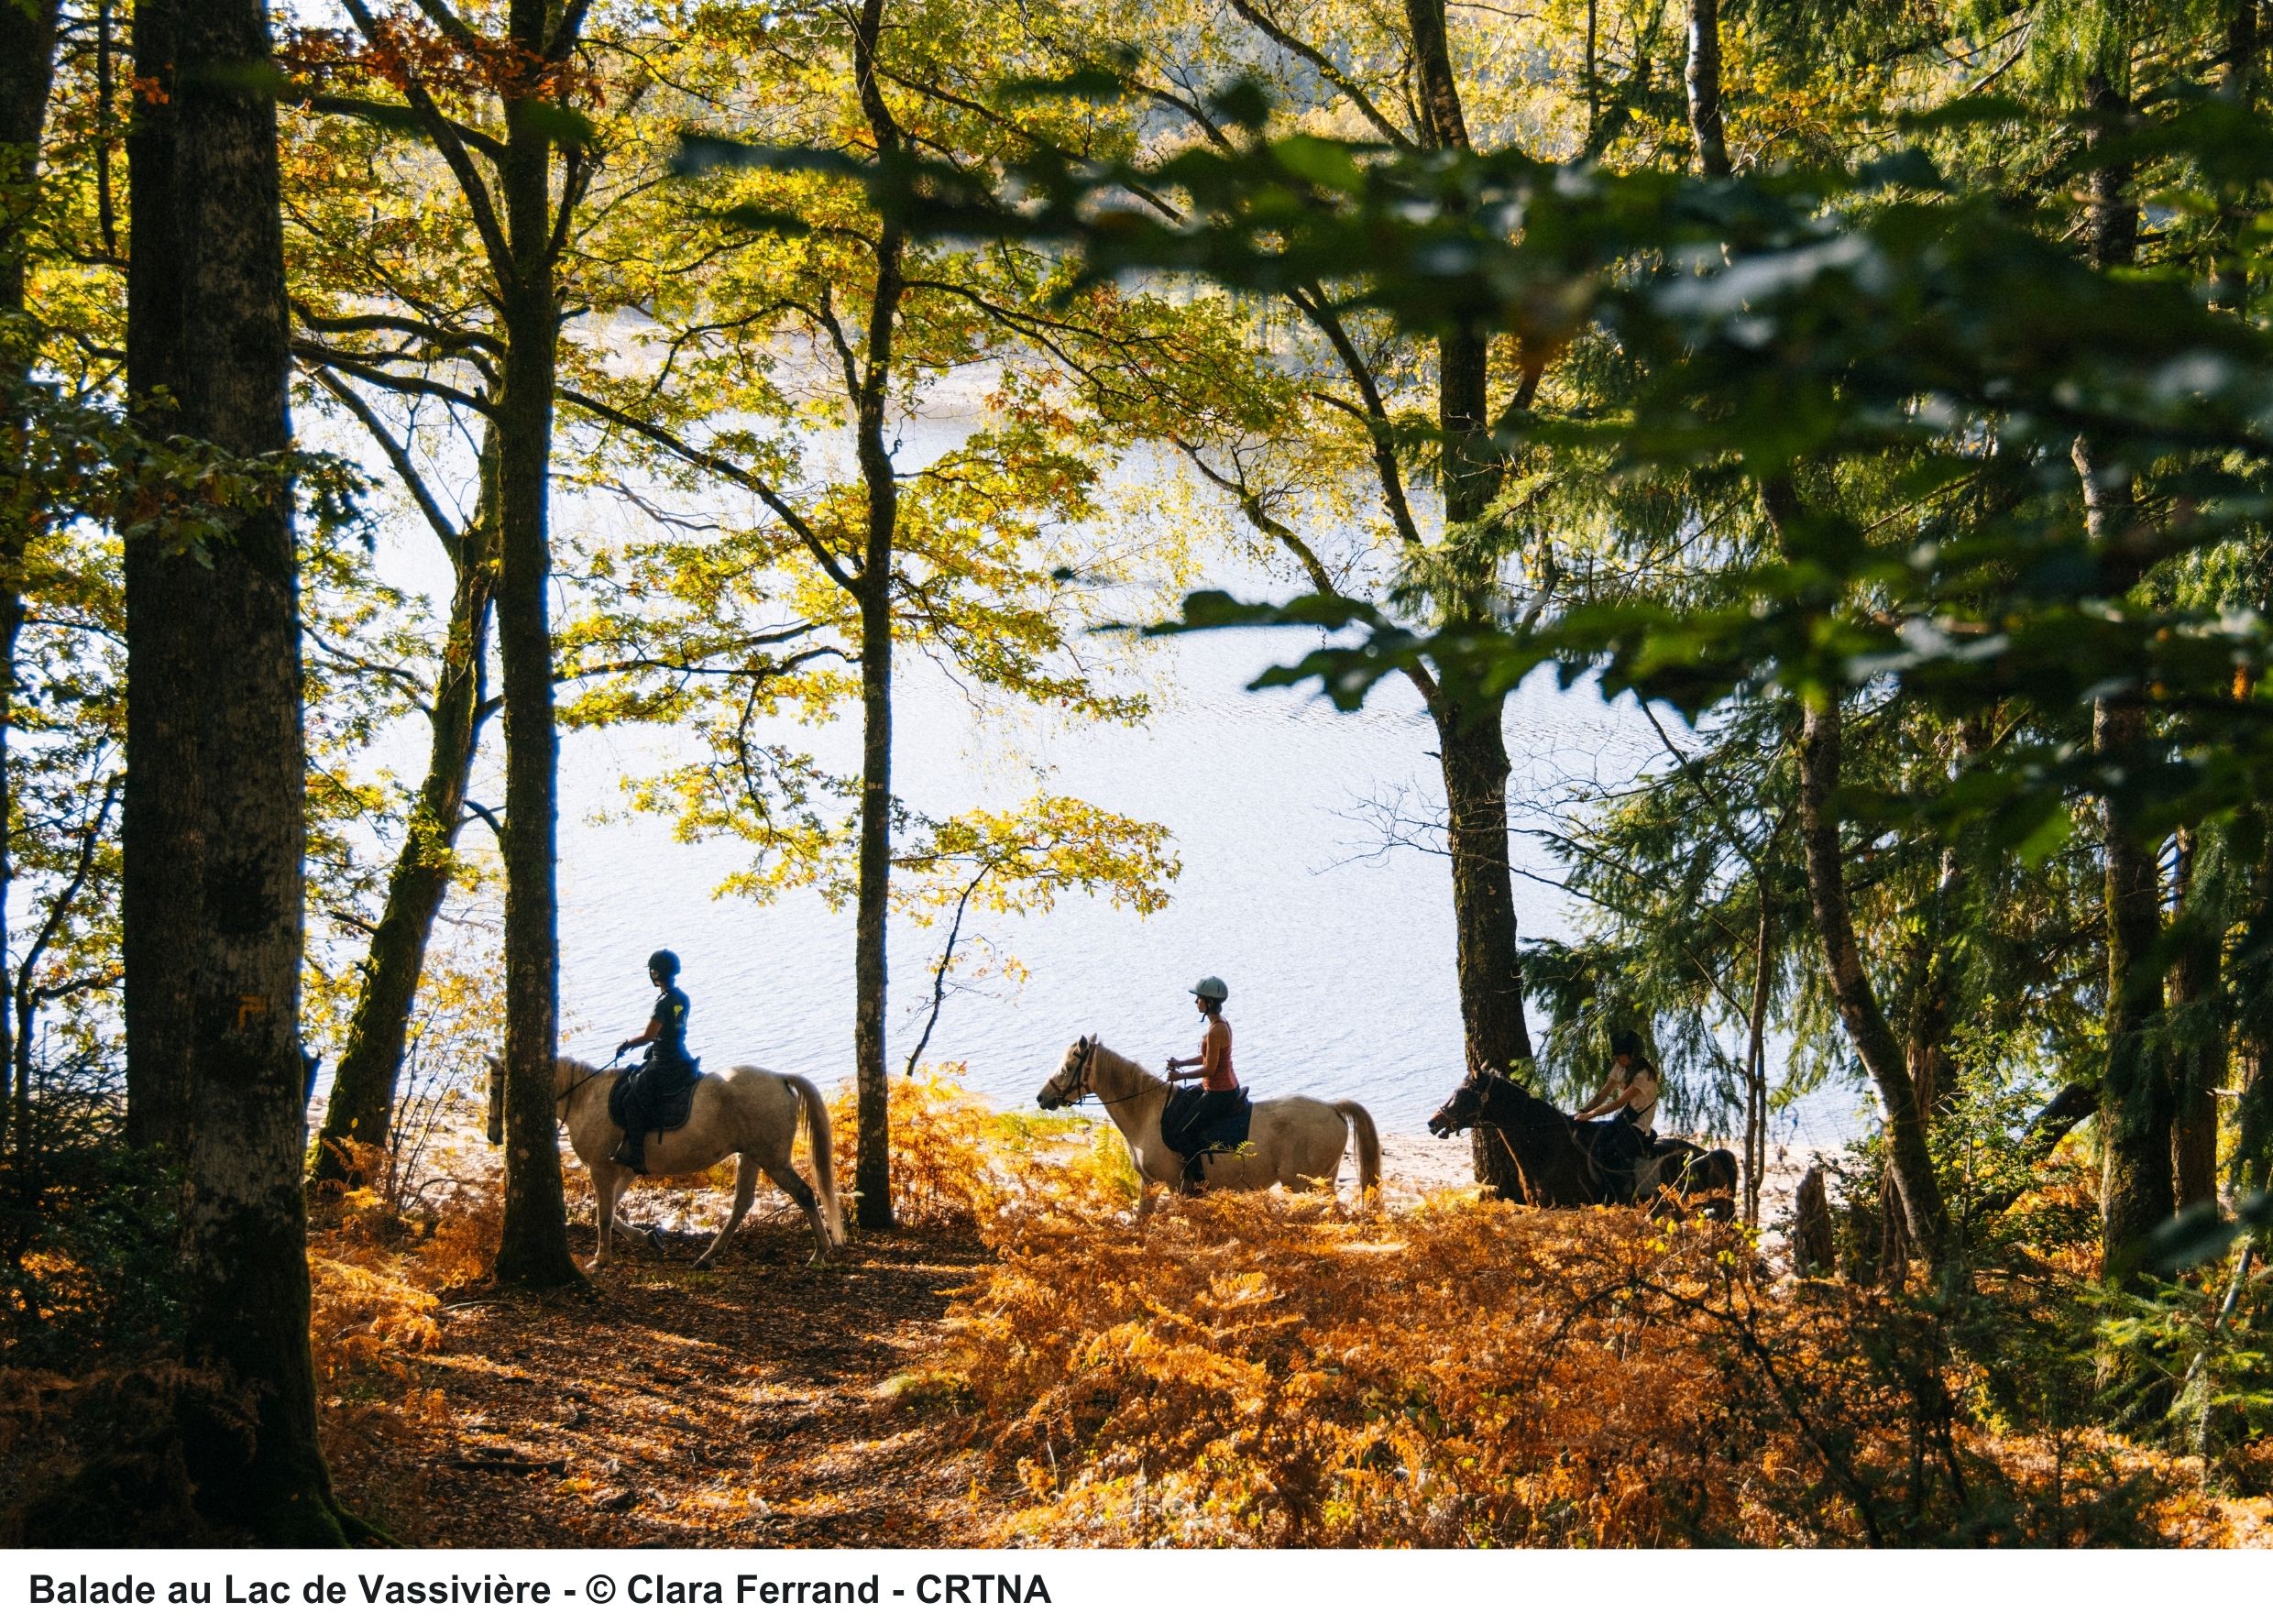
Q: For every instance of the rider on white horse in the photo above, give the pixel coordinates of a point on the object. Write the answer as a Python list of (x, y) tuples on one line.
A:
[(1219, 1084), (667, 1064)]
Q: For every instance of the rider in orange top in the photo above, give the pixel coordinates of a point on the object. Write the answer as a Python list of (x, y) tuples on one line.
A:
[(1212, 1065), (1219, 1085)]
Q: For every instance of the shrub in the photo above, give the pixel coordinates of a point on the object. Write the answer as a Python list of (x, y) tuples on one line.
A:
[(1261, 1370), (956, 1160)]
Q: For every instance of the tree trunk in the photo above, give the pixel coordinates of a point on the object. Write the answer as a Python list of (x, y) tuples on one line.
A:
[(1815, 1251), (2134, 1097), (872, 1174), (1932, 989), (2237, 81), (2253, 1111), (1703, 76), (1475, 759), (532, 1249), (2136, 1115), (1470, 731), (161, 852), (2200, 1043), (2252, 1166), (1910, 1164), (27, 80), (1473, 753), (361, 1107), (872, 1182), (223, 789), (1909, 1161), (1442, 119), (1756, 1058)]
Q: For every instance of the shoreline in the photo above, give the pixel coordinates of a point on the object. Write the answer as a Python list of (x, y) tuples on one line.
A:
[(1417, 1165)]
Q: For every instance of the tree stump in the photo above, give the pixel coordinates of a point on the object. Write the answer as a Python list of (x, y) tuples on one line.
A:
[(1812, 1251)]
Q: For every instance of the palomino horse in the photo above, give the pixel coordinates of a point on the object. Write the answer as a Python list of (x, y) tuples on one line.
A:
[(749, 1111), (1555, 1165), (1296, 1141)]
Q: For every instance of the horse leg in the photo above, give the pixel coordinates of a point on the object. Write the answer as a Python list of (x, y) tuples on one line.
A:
[(787, 1180), (745, 1186), (1147, 1198), (606, 1187)]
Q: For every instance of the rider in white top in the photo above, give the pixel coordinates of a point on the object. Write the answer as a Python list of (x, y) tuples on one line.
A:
[(1631, 1089)]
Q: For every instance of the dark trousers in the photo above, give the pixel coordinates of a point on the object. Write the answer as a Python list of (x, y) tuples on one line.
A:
[(640, 1105), (1197, 1120)]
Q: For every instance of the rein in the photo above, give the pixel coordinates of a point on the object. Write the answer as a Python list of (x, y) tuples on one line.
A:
[(1089, 1064), (562, 1098)]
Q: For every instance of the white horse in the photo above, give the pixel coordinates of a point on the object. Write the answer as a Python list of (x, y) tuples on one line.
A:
[(1293, 1140), (749, 1111)]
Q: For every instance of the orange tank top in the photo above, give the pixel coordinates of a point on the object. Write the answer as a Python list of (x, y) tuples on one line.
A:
[(1215, 1073)]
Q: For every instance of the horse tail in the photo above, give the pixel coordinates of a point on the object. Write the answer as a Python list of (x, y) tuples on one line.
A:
[(1360, 1121), (822, 1143)]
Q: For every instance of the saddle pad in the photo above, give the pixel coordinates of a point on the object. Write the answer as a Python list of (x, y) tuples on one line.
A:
[(663, 1108), (1195, 1120)]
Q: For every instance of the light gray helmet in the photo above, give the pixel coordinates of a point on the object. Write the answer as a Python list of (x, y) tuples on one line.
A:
[(1211, 986)]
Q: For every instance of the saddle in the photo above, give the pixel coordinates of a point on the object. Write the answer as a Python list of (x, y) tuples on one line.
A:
[(663, 1096), (1198, 1121), (1618, 1151)]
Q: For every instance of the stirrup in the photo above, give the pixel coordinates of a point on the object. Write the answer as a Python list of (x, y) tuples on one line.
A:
[(627, 1154)]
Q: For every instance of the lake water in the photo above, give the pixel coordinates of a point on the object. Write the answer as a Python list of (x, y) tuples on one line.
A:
[(1339, 955)]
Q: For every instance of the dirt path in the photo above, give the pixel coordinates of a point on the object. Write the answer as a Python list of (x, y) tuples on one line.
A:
[(745, 1406)]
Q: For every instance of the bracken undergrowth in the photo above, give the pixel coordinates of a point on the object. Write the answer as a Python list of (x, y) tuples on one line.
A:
[(1269, 1370)]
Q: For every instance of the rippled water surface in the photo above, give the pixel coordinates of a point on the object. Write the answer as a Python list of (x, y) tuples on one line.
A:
[(1339, 955)]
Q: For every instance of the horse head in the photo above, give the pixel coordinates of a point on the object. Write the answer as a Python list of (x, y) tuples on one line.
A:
[(1465, 1109), (1069, 1082)]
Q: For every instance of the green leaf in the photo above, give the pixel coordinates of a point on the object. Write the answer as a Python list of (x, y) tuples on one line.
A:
[(1086, 84), (564, 127)]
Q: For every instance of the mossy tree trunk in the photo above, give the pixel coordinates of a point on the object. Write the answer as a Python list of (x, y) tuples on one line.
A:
[(217, 766), (533, 1248), (873, 593), (360, 1109), (2136, 1110)]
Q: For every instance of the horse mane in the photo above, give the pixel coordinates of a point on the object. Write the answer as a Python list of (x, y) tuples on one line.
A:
[(1124, 1066), (1534, 1127), (1540, 1109)]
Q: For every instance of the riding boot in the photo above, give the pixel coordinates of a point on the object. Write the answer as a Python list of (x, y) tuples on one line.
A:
[(627, 1152)]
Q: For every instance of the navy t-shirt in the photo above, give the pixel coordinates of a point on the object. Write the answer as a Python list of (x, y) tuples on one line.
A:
[(671, 1012)]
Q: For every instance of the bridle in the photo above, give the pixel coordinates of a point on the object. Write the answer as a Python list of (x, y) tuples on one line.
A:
[(1084, 1089), (1479, 1088), (1479, 1085)]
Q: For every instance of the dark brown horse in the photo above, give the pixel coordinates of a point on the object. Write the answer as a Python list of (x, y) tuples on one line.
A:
[(1565, 1163)]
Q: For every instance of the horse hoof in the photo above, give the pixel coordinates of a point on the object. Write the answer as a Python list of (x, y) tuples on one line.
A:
[(703, 1264)]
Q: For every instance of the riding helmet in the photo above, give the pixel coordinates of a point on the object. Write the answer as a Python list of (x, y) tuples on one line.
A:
[(1211, 986), (1628, 1045), (665, 962)]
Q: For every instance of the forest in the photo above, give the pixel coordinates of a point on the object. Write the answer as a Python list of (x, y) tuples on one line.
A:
[(1873, 398)]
